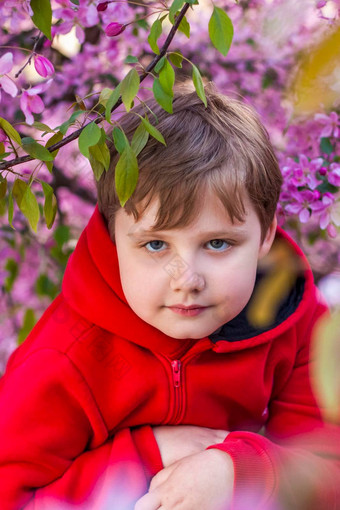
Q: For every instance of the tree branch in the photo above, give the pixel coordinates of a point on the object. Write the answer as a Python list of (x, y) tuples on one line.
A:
[(76, 134)]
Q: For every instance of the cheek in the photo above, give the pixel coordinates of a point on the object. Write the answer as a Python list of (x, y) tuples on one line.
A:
[(141, 286)]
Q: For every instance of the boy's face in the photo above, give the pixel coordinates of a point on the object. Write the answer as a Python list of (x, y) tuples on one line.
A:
[(187, 282)]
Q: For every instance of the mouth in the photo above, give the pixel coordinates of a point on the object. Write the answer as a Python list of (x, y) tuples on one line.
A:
[(187, 311)]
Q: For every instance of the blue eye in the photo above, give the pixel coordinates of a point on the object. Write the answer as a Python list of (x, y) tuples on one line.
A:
[(155, 246), (218, 244)]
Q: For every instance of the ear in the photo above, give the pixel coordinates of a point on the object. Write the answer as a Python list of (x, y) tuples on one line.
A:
[(269, 238)]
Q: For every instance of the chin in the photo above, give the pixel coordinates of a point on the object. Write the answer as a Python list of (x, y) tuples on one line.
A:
[(184, 335)]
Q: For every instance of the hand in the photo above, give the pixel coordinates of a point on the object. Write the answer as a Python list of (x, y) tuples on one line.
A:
[(201, 481), (178, 441)]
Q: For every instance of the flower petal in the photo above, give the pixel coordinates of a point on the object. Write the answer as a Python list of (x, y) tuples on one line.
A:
[(35, 104), (25, 108), (6, 63), (9, 86), (304, 215)]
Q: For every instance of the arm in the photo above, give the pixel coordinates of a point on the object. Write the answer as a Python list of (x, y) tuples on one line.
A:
[(179, 441), (203, 480), (192, 476), (48, 417), (298, 462)]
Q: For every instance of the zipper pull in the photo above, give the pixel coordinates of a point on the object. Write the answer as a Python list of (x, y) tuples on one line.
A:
[(176, 372)]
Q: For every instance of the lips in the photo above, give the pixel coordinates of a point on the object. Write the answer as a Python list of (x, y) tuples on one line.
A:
[(187, 311)]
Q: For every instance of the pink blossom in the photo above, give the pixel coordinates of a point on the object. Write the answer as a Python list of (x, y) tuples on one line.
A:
[(329, 212), (81, 16), (114, 29), (43, 66), (3, 136), (102, 6), (6, 65), (334, 174), (30, 102), (303, 172), (331, 124), (302, 206)]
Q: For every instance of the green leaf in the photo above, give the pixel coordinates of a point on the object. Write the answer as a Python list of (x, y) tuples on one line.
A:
[(101, 153), (19, 189), (197, 80), (160, 64), (46, 287), (104, 96), (119, 139), (42, 127), (89, 136), (115, 95), (130, 59), (3, 187), (13, 270), (65, 125), (221, 30), (28, 324), (126, 175), (10, 131), (97, 166), (10, 208), (5, 154), (129, 88), (139, 139), (57, 137), (62, 235), (155, 33), (35, 150), (50, 205), (2, 148), (184, 27), (167, 78), (325, 146), (162, 98), (175, 6), (27, 202), (153, 131), (42, 16), (176, 59)]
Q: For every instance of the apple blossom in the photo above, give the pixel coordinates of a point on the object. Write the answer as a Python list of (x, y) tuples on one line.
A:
[(6, 65), (114, 29), (43, 66), (102, 6)]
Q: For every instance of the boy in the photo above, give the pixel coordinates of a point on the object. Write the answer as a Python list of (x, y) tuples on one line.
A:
[(147, 366)]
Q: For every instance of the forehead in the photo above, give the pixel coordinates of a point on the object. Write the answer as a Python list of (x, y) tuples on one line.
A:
[(212, 217)]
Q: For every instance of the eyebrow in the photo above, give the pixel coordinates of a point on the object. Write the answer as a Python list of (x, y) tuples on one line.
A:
[(215, 234)]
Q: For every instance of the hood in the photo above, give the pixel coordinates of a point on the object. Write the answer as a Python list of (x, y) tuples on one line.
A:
[(92, 287)]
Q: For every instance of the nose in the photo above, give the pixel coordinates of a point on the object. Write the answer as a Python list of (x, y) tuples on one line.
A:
[(188, 281)]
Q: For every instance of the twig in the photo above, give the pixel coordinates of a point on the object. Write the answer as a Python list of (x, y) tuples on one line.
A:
[(37, 38), (75, 134)]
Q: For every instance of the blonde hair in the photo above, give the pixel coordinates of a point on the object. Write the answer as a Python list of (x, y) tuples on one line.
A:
[(223, 147)]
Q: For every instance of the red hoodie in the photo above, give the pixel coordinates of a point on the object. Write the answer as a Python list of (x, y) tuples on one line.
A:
[(79, 396)]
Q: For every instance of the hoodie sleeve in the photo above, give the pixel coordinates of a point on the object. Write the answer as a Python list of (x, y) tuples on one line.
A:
[(47, 418), (114, 475), (296, 463)]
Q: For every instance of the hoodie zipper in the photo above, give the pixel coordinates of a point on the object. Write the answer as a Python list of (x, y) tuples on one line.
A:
[(176, 366), (177, 409)]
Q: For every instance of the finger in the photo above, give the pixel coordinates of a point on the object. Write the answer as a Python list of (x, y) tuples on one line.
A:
[(160, 478), (150, 501)]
